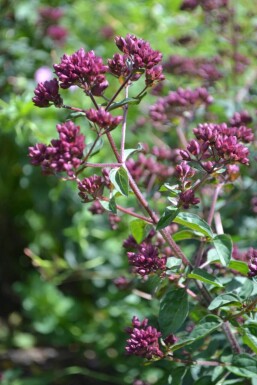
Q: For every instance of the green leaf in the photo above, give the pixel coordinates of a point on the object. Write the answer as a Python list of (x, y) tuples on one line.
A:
[(224, 300), (178, 374), (109, 206), (196, 165), (194, 222), (129, 101), (167, 217), (130, 151), (202, 275), (250, 340), (173, 311), (244, 365), (119, 178), (240, 266), (223, 246), (97, 147), (185, 234), (139, 229), (206, 326)]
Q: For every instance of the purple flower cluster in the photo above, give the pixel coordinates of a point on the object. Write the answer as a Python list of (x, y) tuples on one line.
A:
[(83, 69), (218, 144), (51, 13), (148, 169), (47, 93), (144, 340), (91, 188), (146, 260), (122, 283), (103, 118), (241, 118), (207, 5), (198, 67), (137, 55), (176, 103), (187, 196), (251, 256), (63, 154), (57, 33), (49, 18)]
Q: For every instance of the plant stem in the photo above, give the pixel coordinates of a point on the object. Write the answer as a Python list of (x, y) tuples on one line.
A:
[(213, 204), (123, 129), (118, 91), (129, 212), (231, 338)]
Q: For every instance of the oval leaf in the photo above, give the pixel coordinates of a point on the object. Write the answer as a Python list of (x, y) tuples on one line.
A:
[(202, 275), (139, 229), (173, 311), (240, 266), (224, 300), (119, 178), (206, 326), (244, 365), (194, 222), (223, 246), (167, 218)]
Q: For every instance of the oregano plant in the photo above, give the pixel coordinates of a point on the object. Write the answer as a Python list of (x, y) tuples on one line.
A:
[(204, 319)]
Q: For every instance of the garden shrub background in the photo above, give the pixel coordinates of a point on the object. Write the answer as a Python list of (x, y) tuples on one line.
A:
[(58, 261)]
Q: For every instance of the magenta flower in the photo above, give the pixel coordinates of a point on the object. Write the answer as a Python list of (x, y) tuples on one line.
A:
[(84, 69), (63, 154), (47, 93), (146, 260), (144, 340), (103, 118), (91, 188), (187, 198), (176, 103), (57, 33), (251, 256), (139, 51)]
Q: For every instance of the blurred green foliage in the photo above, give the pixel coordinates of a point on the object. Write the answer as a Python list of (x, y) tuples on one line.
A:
[(57, 260)]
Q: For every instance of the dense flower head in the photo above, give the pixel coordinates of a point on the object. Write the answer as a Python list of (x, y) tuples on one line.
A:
[(207, 5), (139, 51), (148, 169), (103, 118), (57, 33), (96, 208), (144, 340), (210, 5), (120, 66), (187, 198), (251, 256), (131, 244), (63, 154), (146, 260), (47, 93), (171, 339), (189, 5), (219, 143), (91, 188), (51, 13), (122, 283), (153, 76), (241, 118), (198, 67), (83, 69), (177, 102), (183, 170)]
